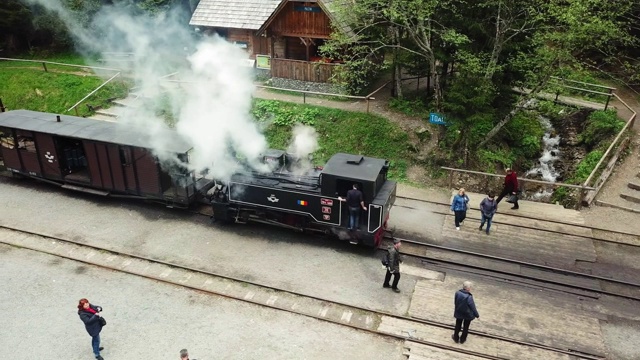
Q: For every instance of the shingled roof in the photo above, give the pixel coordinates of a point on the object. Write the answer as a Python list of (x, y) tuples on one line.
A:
[(236, 14)]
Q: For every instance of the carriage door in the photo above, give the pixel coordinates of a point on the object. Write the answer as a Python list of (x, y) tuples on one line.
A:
[(48, 157)]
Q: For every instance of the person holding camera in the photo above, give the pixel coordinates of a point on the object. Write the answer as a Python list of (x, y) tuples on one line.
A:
[(93, 322)]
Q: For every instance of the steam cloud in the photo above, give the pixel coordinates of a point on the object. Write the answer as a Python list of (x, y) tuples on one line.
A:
[(211, 102)]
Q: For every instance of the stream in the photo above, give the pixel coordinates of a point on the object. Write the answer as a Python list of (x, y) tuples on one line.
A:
[(545, 168)]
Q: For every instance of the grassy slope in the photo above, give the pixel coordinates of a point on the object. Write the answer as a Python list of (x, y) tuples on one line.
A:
[(27, 86), (339, 131)]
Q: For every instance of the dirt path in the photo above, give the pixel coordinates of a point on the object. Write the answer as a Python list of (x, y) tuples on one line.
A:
[(624, 172)]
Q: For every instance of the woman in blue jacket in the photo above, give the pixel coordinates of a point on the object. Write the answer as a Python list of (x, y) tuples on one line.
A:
[(459, 207)]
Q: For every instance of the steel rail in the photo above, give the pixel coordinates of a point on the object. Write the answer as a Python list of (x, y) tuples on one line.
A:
[(521, 263), (533, 218), (269, 287)]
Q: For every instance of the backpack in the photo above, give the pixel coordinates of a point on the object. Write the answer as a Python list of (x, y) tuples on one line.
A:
[(385, 259)]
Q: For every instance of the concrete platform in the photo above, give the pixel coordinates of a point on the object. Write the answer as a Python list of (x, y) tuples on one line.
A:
[(515, 312)]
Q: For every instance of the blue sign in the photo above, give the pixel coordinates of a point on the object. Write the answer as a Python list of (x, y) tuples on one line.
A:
[(437, 119)]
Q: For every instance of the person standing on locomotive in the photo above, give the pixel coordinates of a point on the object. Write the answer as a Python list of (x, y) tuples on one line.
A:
[(354, 202)]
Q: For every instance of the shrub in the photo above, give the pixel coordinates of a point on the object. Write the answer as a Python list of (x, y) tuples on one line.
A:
[(600, 126)]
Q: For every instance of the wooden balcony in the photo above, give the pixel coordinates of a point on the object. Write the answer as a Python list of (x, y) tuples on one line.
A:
[(303, 70)]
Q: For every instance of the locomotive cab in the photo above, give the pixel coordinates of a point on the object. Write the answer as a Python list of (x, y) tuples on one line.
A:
[(370, 175)]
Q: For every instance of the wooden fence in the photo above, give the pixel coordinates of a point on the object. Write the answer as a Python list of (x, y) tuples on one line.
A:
[(620, 142), (303, 70)]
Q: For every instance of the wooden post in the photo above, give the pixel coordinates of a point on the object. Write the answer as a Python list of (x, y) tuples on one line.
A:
[(76, 109), (367, 105), (606, 105), (304, 97), (450, 179), (557, 94), (2, 109), (45, 67)]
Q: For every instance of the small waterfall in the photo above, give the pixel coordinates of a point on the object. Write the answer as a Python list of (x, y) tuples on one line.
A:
[(545, 169)]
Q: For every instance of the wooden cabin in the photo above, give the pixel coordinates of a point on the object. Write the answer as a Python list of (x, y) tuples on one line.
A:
[(96, 156), (282, 36)]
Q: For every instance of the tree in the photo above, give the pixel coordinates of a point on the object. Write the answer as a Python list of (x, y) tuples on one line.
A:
[(565, 34)]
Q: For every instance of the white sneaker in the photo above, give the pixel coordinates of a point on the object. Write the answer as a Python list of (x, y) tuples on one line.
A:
[(458, 228)]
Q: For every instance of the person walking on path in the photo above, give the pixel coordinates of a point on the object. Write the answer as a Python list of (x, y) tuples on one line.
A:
[(354, 203), (393, 266), (510, 188), (464, 311), (459, 207), (488, 208), (93, 322)]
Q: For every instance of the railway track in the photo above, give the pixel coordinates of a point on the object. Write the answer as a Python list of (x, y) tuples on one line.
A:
[(630, 239), (547, 274), (431, 334)]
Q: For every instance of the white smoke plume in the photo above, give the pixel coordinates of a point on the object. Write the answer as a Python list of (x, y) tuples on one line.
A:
[(303, 144), (210, 102)]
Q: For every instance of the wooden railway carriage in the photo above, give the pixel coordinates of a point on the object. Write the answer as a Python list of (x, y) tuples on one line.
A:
[(94, 156)]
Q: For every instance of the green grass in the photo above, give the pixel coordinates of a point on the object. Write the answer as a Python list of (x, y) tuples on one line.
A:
[(55, 92), (339, 131)]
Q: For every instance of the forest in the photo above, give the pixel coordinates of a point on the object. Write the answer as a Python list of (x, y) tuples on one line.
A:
[(473, 54)]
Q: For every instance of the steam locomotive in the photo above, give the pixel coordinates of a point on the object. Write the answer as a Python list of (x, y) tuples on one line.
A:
[(310, 201), (98, 157)]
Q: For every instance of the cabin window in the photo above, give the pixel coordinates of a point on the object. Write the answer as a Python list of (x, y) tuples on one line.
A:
[(124, 157), (26, 143), (6, 139)]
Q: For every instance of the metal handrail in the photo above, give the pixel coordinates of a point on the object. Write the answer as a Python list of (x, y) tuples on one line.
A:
[(584, 83), (548, 183), (91, 93)]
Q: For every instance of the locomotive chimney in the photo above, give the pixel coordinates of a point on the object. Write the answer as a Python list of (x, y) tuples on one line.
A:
[(58, 118)]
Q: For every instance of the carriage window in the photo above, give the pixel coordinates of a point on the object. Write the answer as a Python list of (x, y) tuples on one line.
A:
[(26, 143), (6, 140), (124, 157)]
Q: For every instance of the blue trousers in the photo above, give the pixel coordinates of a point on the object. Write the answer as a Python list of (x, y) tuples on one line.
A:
[(486, 219), (95, 344), (354, 218)]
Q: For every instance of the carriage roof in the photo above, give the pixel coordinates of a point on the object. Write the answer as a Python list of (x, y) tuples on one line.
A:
[(89, 129)]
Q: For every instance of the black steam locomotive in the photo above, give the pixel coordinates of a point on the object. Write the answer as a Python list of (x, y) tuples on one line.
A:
[(98, 157), (310, 201)]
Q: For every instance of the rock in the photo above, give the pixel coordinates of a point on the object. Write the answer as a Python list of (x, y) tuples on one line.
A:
[(423, 134)]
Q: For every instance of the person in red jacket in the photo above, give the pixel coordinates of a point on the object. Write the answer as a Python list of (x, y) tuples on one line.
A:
[(510, 188)]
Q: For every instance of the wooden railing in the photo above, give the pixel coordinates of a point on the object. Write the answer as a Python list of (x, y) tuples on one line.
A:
[(583, 188), (303, 70), (619, 143)]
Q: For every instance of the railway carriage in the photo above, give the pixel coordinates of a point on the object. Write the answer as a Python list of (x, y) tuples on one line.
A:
[(95, 156)]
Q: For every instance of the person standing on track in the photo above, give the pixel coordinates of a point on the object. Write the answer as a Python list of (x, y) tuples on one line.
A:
[(510, 188), (354, 203), (465, 311), (488, 208), (459, 207), (393, 266), (93, 322)]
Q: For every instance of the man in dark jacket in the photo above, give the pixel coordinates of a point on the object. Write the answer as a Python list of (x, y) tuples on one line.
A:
[(393, 266), (354, 203), (510, 188), (90, 316), (465, 311)]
